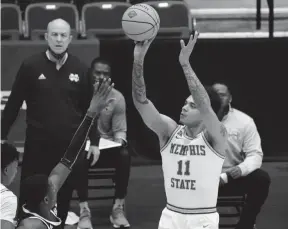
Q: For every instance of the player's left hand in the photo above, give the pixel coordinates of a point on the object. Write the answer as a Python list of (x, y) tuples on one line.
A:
[(186, 50), (235, 172), (95, 153)]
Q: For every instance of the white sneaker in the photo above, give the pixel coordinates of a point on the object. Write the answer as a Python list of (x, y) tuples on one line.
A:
[(85, 217), (117, 217)]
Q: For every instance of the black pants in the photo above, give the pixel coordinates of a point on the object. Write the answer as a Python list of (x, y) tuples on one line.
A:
[(118, 158), (256, 186), (41, 154)]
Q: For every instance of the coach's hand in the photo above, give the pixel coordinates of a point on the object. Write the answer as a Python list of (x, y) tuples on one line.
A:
[(186, 50), (95, 152), (141, 48), (235, 172)]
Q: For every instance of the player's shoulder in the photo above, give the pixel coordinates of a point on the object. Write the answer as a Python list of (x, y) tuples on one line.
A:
[(6, 193), (32, 223), (242, 117)]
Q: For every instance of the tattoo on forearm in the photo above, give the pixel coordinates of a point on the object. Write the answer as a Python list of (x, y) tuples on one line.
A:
[(196, 88), (138, 84), (223, 130)]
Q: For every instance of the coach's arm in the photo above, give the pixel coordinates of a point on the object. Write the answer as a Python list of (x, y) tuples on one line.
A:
[(15, 100), (158, 123)]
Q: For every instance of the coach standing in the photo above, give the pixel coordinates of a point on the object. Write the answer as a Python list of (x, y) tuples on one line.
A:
[(57, 91)]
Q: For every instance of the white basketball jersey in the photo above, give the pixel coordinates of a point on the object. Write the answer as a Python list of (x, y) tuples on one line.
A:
[(191, 169)]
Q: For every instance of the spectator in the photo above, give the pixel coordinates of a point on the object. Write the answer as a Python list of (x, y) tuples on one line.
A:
[(241, 169), (57, 91), (112, 126), (9, 165)]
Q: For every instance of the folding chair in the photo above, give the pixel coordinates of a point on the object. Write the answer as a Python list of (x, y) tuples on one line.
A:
[(235, 200), (11, 22), (36, 28), (103, 19), (175, 18)]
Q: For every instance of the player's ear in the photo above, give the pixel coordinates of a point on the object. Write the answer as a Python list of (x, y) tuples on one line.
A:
[(46, 36), (46, 200), (70, 38), (230, 99), (6, 170)]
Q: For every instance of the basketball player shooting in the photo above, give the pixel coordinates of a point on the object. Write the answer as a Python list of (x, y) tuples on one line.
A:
[(192, 153), (40, 191)]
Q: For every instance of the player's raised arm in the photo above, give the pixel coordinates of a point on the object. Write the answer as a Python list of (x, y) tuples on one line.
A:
[(64, 167), (215, 128), (160, 124)]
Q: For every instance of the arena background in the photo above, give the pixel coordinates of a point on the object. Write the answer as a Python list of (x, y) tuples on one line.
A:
[(255, 67)]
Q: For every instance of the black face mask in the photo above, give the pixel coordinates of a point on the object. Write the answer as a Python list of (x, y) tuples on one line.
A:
[(57, 56)]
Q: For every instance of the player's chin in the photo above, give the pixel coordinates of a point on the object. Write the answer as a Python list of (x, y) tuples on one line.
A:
[(182, 120)]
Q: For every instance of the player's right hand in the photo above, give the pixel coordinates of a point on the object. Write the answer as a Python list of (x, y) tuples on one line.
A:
[(141, 48), (101, 92)]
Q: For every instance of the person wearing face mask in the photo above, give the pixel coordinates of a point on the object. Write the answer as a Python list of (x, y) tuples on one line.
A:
[(9, 165), (242, 166), (57, 89)]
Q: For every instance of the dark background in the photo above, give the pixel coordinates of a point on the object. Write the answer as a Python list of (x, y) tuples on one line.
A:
[(256, 70)]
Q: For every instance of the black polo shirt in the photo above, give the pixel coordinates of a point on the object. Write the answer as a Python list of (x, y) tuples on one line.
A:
[(57, 100)]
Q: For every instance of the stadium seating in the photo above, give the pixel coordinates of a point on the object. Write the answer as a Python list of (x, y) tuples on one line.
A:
[(103, 19), (11, 22), (35, 28), (175, 18)]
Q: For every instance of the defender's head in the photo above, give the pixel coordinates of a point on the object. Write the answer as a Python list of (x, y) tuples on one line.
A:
[(9, 163), (190, 115), (100, 69), (38, 192), (58, 35)]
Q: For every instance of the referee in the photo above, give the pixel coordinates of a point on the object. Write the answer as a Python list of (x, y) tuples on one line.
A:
[(57, 91)]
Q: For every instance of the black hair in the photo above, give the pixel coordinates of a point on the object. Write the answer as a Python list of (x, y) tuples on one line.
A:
[(99, 60), (9, 154), (34, 189), (215, 100), (225, 83)]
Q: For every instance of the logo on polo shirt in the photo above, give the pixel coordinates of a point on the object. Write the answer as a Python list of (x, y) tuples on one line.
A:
[(42, 77), (74, 77)]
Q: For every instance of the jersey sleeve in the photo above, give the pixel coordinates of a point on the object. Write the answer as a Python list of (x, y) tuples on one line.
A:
[(8, 206)]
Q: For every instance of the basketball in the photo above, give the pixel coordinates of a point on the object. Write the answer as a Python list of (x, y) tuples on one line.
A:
[(140, 22)]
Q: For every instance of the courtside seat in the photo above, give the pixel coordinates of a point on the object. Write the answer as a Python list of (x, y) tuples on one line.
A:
[(234, 200), (38, 15), (11, 22), (175, 18), (103, 19)]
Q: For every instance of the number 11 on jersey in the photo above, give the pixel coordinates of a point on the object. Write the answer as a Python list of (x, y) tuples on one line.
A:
[(183, 169), (180, 168)]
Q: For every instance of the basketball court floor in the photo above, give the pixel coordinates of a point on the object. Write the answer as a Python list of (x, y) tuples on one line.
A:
[(146, 200)]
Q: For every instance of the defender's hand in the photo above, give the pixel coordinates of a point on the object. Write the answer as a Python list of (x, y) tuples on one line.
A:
[(101, 92)]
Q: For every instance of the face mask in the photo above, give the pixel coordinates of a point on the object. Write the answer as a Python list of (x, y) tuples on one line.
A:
[(57, 56)]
